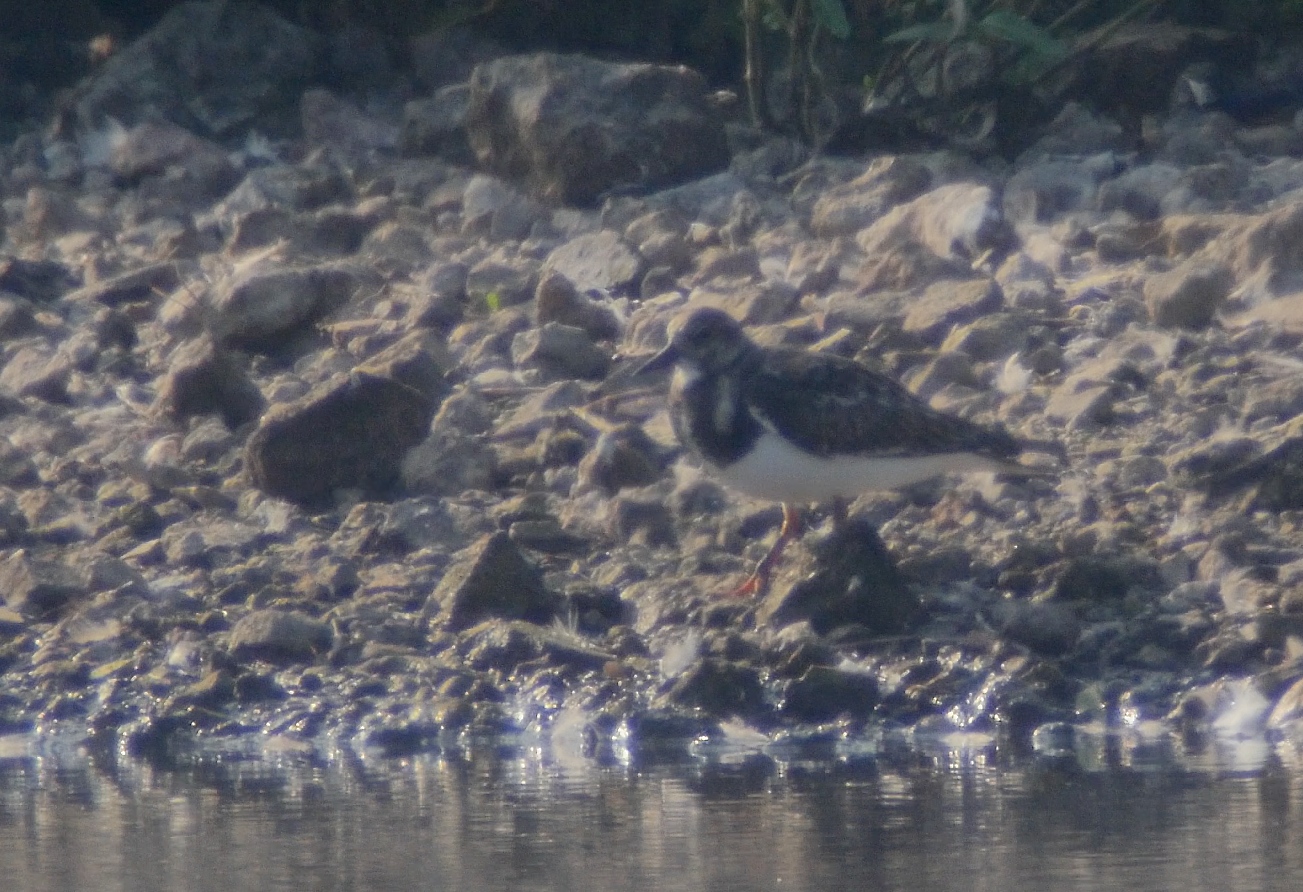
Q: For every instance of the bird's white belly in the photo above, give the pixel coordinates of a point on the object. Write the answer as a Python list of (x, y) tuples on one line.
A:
[(777, 470)]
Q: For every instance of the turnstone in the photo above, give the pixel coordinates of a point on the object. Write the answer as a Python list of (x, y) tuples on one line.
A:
[(797, 427)]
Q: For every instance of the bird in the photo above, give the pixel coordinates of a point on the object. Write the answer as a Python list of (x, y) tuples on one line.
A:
[(797, 426)]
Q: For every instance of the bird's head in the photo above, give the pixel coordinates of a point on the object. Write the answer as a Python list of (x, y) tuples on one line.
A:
[(707, 341)]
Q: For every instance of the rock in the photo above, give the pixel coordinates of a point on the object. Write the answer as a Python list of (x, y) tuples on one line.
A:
[(571, 129), (263, 302), (504, 646), (279, 636), (217, 69), (38, 587), (203, 379), (597, 260), (558, 300), (560, 351), (1144, 192), (1188, 296), (854, 582), (351, 432), (491, 578), (501, 281)]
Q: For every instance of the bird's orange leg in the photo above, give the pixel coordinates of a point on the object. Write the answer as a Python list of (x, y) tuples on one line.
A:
[(758, 582)]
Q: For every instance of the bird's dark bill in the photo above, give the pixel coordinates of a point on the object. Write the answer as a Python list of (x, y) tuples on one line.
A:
[(662, 360)]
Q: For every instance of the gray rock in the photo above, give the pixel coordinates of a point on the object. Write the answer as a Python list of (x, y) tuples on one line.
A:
[(491, 578), (571, 129), (349, 433), (957, 221), (279, 636), (823, 693), (623, 457)]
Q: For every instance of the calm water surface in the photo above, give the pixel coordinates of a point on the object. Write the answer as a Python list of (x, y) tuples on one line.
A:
[(517, 817)]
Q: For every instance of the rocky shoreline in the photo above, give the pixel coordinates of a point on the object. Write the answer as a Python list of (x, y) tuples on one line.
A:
[(318, 420)]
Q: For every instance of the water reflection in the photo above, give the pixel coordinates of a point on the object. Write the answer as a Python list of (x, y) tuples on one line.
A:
[(522, 818)]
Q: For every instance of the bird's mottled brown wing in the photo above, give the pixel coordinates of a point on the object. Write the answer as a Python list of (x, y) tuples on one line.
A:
[(833, 406)]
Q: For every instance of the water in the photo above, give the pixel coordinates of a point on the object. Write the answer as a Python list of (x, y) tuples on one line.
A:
[(970, 818)]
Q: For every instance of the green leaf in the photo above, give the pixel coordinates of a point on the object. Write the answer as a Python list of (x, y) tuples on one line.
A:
[(935, 31), (1002, 24), (493, 301), (832, 16)]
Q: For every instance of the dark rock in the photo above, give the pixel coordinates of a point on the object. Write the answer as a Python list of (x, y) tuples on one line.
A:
[(1097, 578), (491, 578), (418, 361), (641, 522), (1275, 477), (854, 582), (203, 379), (279, 636), (349, 433), (572, 128)]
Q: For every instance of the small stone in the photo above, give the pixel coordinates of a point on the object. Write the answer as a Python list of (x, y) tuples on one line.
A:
[(38, 587), (945, 304), (36, 373), (558, 300), (622, 457), (202, 379), (823, 693)]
